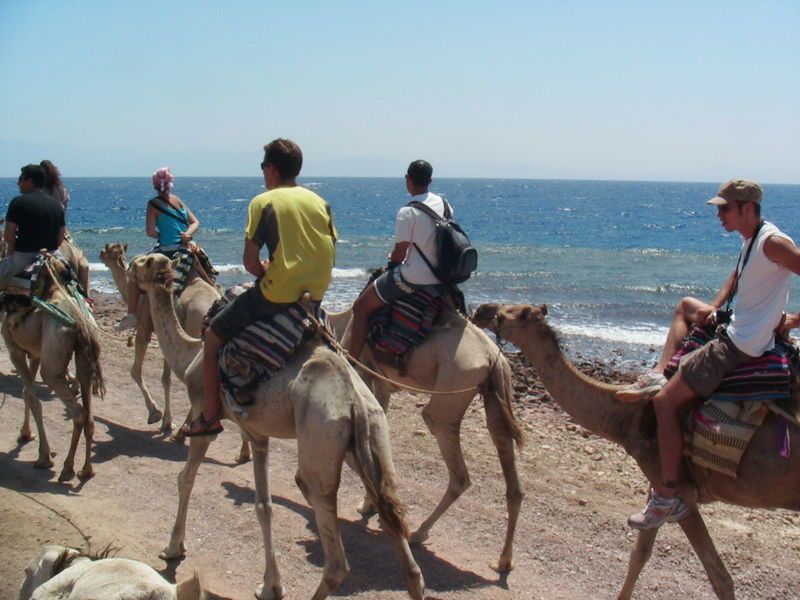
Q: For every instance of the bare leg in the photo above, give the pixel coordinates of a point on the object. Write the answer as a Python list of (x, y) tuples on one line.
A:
[(688, 311), (366, 304), (668, 403), (133, 296)]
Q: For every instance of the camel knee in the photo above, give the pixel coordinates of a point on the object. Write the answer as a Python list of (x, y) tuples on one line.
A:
[(459, 484), (514, 497), (88, 428), (264, 512)]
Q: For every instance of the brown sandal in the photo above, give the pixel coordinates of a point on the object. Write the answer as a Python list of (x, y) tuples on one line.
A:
[(200, 426)]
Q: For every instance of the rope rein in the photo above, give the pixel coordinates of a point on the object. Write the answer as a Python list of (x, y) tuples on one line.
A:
[(331, 339)]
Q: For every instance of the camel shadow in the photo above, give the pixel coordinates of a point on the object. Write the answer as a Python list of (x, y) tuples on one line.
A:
[(21, 476), (11, 385), (367, 548)]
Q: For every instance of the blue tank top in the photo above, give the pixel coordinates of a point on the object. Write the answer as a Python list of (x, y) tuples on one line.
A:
[(171, 224)]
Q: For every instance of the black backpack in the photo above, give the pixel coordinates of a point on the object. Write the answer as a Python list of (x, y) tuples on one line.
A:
[(457, 258)]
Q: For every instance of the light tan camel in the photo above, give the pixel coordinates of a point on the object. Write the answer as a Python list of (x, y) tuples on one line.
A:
[(764, 479), (316, 399), (196, 299), (77, 260), (41, 337), (456, 356), (58, 572)]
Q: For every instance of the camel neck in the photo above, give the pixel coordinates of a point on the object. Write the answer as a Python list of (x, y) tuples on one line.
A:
[(179, 348)]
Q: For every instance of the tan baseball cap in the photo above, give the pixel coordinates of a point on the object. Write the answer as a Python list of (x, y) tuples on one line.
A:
[(737, 190)]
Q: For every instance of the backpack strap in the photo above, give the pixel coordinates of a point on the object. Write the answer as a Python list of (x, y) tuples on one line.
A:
[(167, 209), (448, 212)]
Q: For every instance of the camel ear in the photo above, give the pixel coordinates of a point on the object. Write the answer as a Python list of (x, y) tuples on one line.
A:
[(125, 247), (190, 589), (525, 313), (173, 264), (543, 309)]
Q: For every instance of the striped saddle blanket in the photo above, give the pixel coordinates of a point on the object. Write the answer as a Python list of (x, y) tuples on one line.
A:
[(261, 350), (401, 326), (720, 430)]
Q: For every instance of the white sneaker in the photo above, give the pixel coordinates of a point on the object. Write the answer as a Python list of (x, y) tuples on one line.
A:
[(659, 510), (128, 322), (647, 386)]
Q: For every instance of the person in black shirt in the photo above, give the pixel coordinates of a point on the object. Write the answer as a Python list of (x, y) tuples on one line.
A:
[(34, 222)]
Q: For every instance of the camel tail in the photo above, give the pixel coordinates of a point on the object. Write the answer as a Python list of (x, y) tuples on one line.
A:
[(373, 454), (90, 347), (500, 392)]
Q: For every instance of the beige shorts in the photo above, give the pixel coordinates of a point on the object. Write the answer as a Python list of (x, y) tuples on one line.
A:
[(704, 369)]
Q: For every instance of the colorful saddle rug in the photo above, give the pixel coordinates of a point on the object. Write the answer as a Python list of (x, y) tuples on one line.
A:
[(403, 325), (28, 287), (722, 427), (261, 350)]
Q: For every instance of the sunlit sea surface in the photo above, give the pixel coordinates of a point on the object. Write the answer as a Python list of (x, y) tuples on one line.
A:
[(610, 259)]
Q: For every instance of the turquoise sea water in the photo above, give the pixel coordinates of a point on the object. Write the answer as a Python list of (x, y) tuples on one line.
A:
[(609, 258)]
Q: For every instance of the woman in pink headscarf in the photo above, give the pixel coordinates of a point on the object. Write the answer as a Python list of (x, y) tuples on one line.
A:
[(171, 222)]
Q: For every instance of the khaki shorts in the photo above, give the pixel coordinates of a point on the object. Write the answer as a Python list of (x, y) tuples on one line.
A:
[(704, 369), (246, 309), (391, 286)]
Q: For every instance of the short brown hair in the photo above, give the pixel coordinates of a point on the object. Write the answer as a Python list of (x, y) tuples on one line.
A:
[(285, 156)]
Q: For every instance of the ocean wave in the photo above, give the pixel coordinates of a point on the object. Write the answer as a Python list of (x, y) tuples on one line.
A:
[(643, 334), (97, 267), (97, 229), (238, 200), (353, 273)]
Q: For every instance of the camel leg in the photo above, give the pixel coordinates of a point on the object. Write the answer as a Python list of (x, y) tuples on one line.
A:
[(141, 342), (244, 452), (19, 359), (695, 529), (197, 450), (271, 588), (166, 383), (320, 484), (83, 370), (443, 416), (383, 393), (504, 444), (25, 434), (640, 554), (54, 373)]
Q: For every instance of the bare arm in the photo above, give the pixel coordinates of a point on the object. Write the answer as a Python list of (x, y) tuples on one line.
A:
[(194, 225), (10, 237), (151, 222), (252, 261), (705, 314), (399, 252), (782, 251)]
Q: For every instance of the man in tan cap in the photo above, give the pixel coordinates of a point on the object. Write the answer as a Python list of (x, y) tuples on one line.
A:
[(760, 283)]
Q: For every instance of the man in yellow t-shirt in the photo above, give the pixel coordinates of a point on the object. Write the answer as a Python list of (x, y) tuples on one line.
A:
[(296, 226)]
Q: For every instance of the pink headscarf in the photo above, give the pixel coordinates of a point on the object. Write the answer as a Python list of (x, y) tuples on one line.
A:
[(162, 179)]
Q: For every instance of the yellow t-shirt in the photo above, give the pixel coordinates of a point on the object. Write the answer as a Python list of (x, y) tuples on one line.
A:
[(297, 227)]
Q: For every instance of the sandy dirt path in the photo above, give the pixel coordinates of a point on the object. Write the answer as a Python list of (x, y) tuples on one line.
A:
[(572, 541)]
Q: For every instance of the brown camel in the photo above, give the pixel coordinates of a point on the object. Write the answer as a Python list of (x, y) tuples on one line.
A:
[(764, 479), (316, 399), (456, 356), (196, 299), (27, 334)]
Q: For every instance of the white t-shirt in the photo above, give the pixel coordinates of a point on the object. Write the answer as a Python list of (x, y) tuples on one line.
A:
[(761, 298), (415, 226)]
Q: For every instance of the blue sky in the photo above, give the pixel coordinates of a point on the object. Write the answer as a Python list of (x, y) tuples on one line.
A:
[(690, 91)]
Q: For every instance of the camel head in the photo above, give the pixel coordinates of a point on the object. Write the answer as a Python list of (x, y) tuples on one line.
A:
[(113, 255), (513, 322), (44, 566), (153, 270)]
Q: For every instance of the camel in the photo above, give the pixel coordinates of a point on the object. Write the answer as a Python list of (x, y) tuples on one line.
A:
[(764, 479), (59, 572), (196, 299), (456, 356), (77, 260), (316, 399), (27, 334)]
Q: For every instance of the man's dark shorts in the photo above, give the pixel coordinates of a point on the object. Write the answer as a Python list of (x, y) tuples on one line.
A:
[(704, 369), (246, 309), (391, 286)]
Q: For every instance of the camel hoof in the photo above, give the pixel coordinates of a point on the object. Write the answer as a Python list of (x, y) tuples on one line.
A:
[(167, 427), (417, 537), (45, 463), (504, 566), (242, 458), (154, 417), (66, 475), (86, 473), (269, 594), (170, 553), (24, 438)]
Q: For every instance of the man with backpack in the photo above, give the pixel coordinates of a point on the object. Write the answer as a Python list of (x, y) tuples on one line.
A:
[(414, 261)]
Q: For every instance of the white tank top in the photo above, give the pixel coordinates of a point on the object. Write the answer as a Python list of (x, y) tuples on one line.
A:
[(762, 297)]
